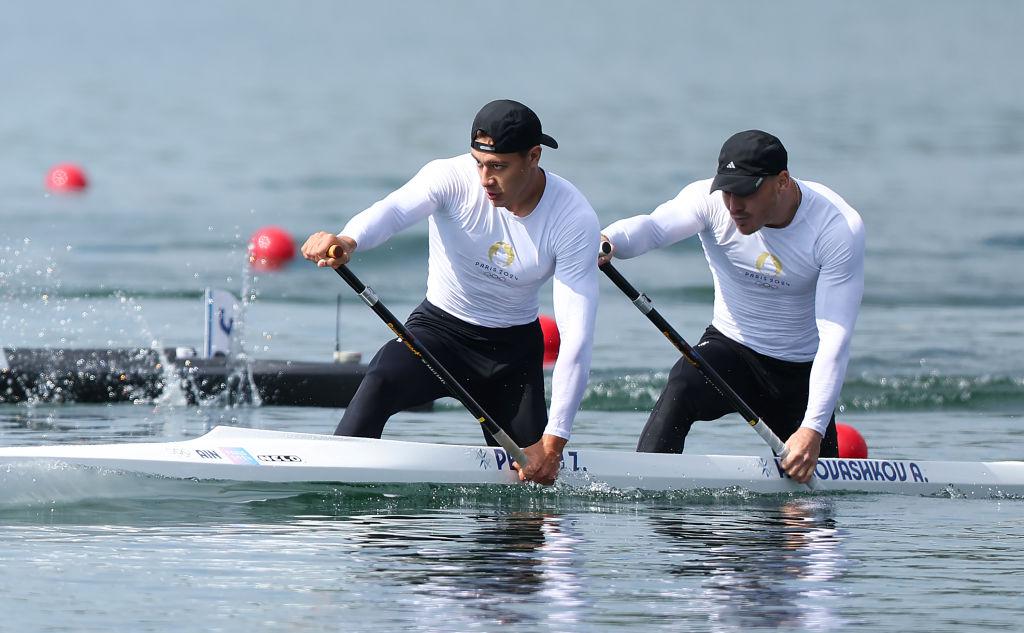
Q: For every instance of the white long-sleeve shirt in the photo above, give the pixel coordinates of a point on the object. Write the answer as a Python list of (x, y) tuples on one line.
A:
[(486, 265), (792, 293)]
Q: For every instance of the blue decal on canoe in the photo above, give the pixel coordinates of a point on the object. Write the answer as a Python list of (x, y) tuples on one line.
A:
[(237, 455), (485, 463)]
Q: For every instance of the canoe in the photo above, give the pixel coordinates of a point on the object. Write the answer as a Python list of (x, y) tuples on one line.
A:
[(249, 455)]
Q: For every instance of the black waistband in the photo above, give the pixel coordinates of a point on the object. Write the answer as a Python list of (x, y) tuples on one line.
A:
[(427, 314), (763, 359)]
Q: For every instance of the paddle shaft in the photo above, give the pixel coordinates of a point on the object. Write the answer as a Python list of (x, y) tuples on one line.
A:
[(458, 391), (641, 301)]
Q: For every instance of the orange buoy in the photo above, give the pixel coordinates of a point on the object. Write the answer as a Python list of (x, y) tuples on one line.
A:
[(270, 248), (552, 340), (851, 442), (66, 178)]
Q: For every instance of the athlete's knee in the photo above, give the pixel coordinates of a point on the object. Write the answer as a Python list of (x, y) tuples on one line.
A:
[(663, 441), (370, 408), (363, 417), (663, 433), (377, 384)]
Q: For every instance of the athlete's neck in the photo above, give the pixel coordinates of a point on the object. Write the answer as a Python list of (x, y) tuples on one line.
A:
[(790, 203), (531, 197)]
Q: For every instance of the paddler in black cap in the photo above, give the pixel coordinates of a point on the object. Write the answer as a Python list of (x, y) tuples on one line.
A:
[(499, 227), (787, 260)]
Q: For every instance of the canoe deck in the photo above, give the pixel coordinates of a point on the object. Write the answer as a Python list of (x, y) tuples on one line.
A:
[(249, 455)]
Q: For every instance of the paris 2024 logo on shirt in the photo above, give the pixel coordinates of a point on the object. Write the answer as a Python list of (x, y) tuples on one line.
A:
[(769, 272), (770, 264), (500, 256)]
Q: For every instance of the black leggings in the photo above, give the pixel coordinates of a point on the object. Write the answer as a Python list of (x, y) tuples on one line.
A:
[(775, 389), (502, 368)]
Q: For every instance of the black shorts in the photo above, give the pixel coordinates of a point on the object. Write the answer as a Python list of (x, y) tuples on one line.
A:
[(776, 390), (502, 368)]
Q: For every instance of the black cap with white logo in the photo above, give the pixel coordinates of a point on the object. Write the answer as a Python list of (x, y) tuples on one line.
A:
[(512, 126), (746, 159)]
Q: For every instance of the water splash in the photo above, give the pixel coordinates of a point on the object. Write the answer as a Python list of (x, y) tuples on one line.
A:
[(240, 387), (171, 392)]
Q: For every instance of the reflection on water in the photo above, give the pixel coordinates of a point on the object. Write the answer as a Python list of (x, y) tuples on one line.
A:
[(773, 566), (470, 558), (522, 568)]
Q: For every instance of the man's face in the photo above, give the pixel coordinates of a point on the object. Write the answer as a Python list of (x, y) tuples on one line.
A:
[(505, 177), (751, 213)]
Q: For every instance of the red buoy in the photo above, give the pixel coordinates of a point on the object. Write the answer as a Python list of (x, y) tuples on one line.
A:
[(851, 443), (270, 248), (66, 178), (552, 340)]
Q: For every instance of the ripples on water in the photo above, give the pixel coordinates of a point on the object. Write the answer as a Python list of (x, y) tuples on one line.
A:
[(470, 559), (464, 557)]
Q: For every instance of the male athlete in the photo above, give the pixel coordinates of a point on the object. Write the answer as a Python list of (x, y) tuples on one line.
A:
[(787, 259), (499, 228)]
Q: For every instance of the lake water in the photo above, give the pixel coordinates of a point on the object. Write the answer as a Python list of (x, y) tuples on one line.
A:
[(197, 123)]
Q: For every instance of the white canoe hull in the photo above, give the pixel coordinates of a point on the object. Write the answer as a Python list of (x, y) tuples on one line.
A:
[(248, 455)]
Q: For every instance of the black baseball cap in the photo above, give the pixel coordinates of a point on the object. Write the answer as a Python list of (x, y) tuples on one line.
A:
[(512, 126), (746, 158)]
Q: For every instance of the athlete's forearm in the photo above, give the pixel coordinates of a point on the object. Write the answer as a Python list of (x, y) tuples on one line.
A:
[(837, 300), (827, 373), (575, 314)]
